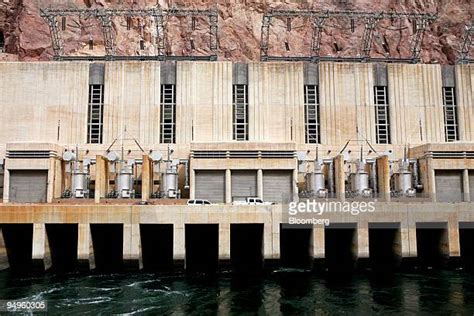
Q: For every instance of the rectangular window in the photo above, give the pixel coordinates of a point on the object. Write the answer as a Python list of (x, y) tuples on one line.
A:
[(95, 117), (382, 115), (311, 114), (168, 114), (451, 132), (240, 112)]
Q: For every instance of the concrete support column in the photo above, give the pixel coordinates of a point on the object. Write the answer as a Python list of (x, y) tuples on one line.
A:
[(383, 170), (6, 185), (271, 241), (179, 248), (41, 253), (224, 241), (131, 246), (147, 178), (228, 186), (51, 180), (192, 184), (453, 238), (431, 180), (408, 242), (397, 244), (433, 185), (4, 264), (260, 183), (363, 240), (101, 178), (340, 178), (295, 184), (318, 242), (465, 185), (85, 249), (58, 186)]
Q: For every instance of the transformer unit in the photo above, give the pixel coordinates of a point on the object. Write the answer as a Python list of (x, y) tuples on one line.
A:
[(359, 181), (402, 180), (405, 182), (124, 176), (315, 182), (79, 176), (169, 181), (125, 180), (320, 182), (362, 182), (169, 177)]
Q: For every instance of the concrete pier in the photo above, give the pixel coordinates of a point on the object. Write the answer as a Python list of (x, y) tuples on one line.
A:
[(41, 253), (383, 169), (85, 249), (132, 257), (3, 253)]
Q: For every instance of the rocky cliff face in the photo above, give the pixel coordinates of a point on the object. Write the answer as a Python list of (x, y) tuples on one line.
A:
[(27, 35)]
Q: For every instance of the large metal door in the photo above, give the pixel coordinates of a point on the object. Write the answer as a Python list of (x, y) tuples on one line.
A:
[(471, 184), (28, 186), (210, 185), (244, 184), (277, 186), (449, 186)]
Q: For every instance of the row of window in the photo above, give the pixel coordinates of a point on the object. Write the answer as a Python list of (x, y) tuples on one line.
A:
[(240, 113)]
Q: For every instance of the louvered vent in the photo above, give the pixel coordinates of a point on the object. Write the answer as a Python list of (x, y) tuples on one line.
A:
[(31, 154)]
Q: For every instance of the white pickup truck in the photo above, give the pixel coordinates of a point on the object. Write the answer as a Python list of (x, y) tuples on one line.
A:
[(252, 201)]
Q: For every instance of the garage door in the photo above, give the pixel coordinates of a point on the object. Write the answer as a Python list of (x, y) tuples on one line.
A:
[(277, 186), (244, 184), (28, 186), (449, 186), (210, 185), (471, 184)]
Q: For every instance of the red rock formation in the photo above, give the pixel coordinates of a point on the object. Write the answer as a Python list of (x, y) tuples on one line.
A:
[(27, 35)]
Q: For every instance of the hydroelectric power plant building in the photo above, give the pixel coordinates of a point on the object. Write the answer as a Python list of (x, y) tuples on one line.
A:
[(98, 159), (83, 143)]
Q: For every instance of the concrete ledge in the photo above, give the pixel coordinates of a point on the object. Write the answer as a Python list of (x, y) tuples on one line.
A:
[(408, 218), (405, 213)]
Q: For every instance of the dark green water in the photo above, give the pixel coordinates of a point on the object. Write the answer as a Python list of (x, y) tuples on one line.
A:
[(279, 292)]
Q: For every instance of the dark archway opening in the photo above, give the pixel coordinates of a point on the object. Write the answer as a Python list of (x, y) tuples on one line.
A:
[(62, 239), (157, 246), (296, 246), (384, 246), (19, 245), (246, 248), (107, 240), (466, 240), (340, 244), (202, 247), (432, 244)]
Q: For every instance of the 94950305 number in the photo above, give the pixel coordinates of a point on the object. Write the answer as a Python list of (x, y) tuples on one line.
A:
[(23, 305)]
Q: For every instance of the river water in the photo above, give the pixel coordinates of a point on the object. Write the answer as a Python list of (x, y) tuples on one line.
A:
[(276, 292)]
